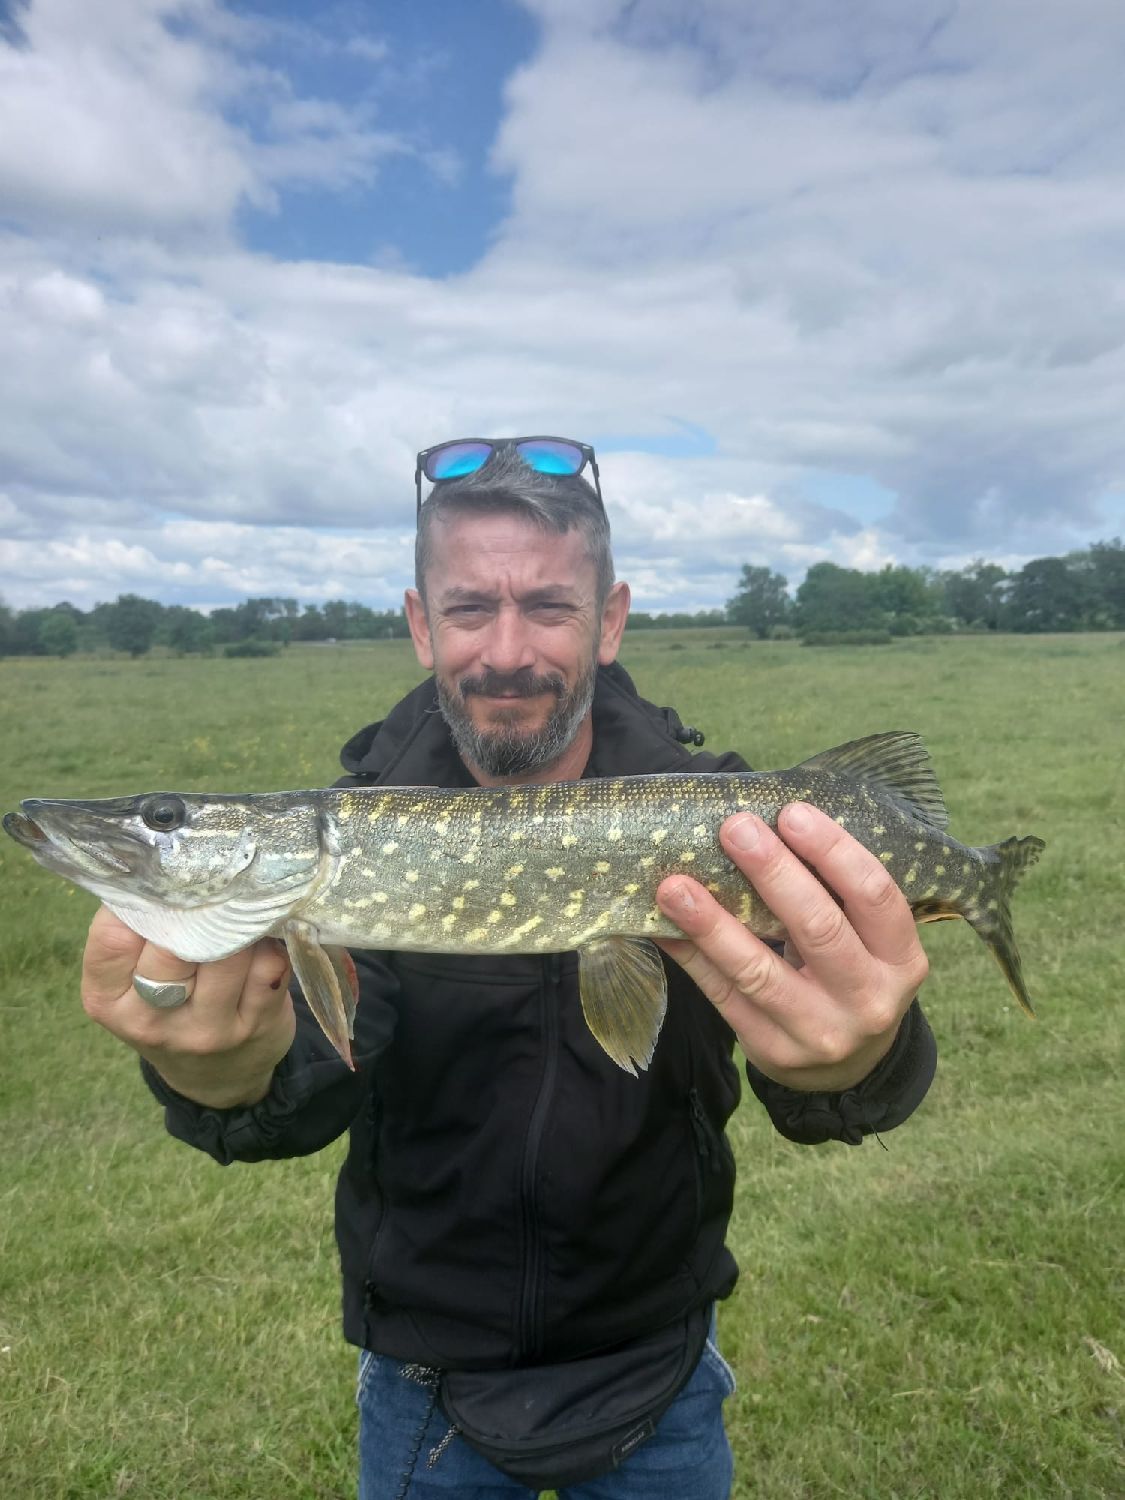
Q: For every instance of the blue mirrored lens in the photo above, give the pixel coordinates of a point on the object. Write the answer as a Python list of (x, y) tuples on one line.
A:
[(457, 459), (551, 458)]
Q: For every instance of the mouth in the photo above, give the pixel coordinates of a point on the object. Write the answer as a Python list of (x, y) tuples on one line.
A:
[(63, 848), (25, 830)]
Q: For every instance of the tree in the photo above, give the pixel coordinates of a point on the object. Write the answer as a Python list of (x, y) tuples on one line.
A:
[(976, 594), (58, 633), (761, 602), (131, 624), (834, 598), (1049, 594), (186, 630), (1107, 573)]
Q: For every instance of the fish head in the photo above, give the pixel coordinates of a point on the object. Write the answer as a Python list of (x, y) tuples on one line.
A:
[(192, 872)]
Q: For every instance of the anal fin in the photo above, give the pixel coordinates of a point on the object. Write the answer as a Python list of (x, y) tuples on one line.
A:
[(328, 980), (624, 997)]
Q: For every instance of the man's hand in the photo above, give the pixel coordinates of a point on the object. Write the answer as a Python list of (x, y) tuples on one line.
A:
[(221, 1046), (823, 1021)]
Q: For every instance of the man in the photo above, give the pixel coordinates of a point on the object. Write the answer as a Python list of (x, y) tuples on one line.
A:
[(532, 1241)]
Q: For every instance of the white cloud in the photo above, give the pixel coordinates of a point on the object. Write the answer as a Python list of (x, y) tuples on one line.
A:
[(869, 240)]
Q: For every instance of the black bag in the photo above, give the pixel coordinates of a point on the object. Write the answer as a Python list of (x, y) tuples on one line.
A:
[(564, 1424)]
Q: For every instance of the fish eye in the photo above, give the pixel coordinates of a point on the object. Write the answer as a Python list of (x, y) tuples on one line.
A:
[(164, 814)]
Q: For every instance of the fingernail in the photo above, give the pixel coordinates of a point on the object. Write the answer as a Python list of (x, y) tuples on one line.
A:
[(744, 832), (797, 818), (681, 896)]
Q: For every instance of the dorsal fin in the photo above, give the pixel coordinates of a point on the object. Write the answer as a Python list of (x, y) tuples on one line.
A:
[(896, 763)]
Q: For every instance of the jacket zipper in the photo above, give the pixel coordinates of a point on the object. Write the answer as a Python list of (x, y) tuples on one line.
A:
[(532, 1271)]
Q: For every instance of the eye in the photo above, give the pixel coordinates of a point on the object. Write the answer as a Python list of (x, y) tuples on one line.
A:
[(164, 813)]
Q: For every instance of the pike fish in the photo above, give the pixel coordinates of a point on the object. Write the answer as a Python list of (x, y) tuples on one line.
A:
[(516, 869)]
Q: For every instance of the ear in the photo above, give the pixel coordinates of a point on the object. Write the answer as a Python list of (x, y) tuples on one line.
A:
[(614, 615), (419, 629)]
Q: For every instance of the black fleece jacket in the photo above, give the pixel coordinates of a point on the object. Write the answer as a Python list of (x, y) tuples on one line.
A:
[(509, 1196)]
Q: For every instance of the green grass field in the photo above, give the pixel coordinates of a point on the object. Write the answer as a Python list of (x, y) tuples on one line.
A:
[(940, 1318)]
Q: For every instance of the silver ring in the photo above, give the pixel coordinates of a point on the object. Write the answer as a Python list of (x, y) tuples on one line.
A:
[(163, 994)]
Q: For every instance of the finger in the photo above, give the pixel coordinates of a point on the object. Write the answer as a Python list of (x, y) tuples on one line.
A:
[(724, 958), (110, 958), (760, 1036), (876, 909), (813, 919), (267, 979)]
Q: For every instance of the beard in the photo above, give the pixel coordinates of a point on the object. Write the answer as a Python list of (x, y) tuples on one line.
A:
[(507, 748)]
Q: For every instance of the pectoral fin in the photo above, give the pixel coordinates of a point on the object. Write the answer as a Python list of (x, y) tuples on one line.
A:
[(328, 979), (624, 996)]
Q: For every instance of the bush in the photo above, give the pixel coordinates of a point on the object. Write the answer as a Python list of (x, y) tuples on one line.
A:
[(252, 648), (847, 638), (782, 633)]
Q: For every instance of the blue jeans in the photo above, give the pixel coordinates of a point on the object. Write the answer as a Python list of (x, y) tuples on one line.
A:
[(405, 1452)]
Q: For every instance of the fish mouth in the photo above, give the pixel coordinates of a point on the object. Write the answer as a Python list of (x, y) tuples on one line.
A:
[(90, 846), (25, 830)]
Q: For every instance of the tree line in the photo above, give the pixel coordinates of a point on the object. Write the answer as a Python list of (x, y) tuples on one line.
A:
[(1082, 591)]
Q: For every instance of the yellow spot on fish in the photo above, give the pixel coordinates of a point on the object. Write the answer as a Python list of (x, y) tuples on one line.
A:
[(458, 903), (477, 935), (579, 895), (390, 847), (840, 818), (470, 885), (516, 835), (416, 911), (526, 927), (993, 905), (448, 922), (920, 845), (512, 871), (569, 840), (412, 876), (614, 834), (556, 872), (887, 855), (878, 830), (686, 856), (602, 868), (631, 890), (647, 861), (573, 909), (470, 858), (379, 896), (507, 898), (966, 867), (441, 826), (911, 876), (939, 869), (699, 831), (658, 835), (494, 916), (714, 887)]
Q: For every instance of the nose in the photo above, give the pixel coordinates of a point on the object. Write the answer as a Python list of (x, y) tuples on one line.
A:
[(507, 647)]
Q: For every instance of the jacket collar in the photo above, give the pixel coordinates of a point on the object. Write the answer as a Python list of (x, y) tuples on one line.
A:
[(412, 745)]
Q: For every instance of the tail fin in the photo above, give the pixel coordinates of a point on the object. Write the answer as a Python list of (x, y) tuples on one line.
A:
[(990, 915)]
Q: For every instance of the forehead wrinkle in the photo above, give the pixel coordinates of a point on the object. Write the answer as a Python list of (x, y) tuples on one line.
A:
[(512, 560)]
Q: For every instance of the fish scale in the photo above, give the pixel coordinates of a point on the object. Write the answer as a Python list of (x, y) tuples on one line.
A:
[(514, 869)]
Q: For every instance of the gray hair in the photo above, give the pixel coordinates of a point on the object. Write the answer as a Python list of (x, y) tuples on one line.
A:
[(554, 502)]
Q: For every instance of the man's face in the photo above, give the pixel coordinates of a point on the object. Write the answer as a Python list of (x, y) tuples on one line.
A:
[(513, 633)]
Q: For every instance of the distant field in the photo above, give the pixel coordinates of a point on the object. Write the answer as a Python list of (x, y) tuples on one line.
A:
[(942, 1318)]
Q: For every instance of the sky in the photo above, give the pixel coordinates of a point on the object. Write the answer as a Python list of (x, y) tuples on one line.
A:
[(818, 281)]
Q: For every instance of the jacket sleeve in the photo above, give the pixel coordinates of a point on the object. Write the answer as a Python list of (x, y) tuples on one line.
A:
[(313, 1097), (879, 1102)]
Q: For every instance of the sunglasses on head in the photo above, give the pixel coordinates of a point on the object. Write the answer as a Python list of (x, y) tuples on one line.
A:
[(546, 455)]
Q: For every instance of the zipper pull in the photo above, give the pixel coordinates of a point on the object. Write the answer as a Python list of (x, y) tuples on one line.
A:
[(700, 1127)]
